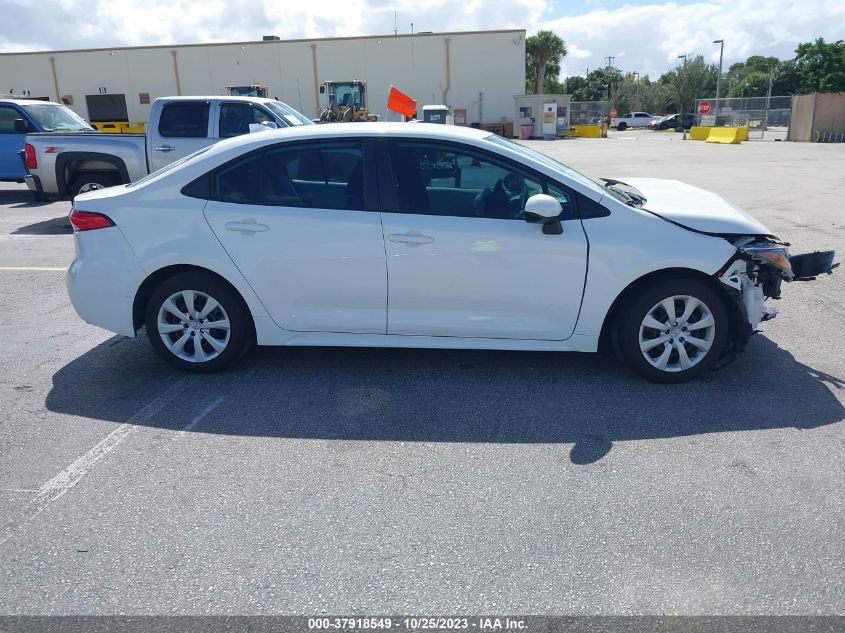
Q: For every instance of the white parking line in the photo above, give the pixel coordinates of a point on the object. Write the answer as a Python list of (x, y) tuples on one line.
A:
[(51, 269), (56, 487)]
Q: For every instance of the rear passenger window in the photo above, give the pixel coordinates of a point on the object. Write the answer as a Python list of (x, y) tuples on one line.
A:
[(320, 178), (184, 120), (330, 177), (240, 182)]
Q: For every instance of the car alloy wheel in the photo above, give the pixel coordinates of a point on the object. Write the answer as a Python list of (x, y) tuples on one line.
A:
[(198, 323), (677, 333), (194, 326)]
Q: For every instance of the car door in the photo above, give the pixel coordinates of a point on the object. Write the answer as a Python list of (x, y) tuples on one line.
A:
[(301, 223), (461, 261), (11, 142), (236, 117), (183, 128)]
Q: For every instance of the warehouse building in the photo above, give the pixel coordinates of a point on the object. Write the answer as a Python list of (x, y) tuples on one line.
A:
[(476, 73)]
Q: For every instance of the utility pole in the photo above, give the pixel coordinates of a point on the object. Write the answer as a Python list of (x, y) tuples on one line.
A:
[(719, 77), (609, 59), (768, 99), (637, 75)]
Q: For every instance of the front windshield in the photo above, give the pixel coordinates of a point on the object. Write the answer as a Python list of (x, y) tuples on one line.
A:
[(167, 168), (549, 162), (53, 117), (287, 114)]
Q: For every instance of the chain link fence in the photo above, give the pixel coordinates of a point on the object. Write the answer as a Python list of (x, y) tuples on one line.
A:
[(586, 112), (758, 113)]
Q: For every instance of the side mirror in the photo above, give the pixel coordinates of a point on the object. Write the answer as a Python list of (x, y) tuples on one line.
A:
[(271, 124), (21, 126), (543, 209)]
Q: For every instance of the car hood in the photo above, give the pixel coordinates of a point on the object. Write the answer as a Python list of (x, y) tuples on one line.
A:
[(695, 208)]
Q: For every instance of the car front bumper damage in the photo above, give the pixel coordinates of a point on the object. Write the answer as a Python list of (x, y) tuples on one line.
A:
[(750, 281)]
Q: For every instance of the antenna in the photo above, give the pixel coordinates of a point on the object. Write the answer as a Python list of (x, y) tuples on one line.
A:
[(412, 28), (395, 30)]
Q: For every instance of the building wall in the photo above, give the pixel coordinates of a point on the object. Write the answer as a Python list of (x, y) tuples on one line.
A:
[(490, 63)]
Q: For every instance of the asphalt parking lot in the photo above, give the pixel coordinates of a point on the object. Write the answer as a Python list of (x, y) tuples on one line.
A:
[(312, 481)]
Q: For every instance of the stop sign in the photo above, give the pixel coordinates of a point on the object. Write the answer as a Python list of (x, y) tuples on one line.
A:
[(704, 107), (613, 112)]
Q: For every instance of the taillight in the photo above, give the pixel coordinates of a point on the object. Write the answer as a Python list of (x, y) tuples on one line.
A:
[(29, 153), (88, 221)]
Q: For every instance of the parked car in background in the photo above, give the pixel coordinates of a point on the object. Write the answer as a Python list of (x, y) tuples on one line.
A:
[(672, 122), (63, 165), (634, 119), (299, 238), (18, 117)]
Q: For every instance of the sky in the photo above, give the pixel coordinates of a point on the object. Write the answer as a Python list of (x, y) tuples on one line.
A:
[(641, 35)]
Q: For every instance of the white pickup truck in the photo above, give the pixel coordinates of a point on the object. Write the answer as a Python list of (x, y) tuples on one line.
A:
[(634, 119), (65, 164)]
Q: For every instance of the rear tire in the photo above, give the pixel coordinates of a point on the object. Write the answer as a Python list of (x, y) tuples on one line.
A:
[(197, 323), (671, 348), (91, 181)]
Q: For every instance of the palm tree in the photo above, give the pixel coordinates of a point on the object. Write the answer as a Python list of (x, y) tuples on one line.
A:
[(544, 52)]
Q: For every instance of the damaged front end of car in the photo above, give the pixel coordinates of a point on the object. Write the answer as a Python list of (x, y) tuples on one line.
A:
[(754, 274)]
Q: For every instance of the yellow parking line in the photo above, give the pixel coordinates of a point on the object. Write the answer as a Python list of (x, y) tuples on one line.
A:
[(33, 268)]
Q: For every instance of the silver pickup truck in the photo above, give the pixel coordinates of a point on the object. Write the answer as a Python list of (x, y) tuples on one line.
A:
[(65, 164)]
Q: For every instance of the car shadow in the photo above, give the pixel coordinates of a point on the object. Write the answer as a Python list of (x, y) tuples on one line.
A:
[(56, 226), (406, 395), (20, 198)]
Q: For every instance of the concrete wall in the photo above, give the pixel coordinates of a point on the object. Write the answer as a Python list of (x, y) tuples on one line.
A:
[(490, 63)]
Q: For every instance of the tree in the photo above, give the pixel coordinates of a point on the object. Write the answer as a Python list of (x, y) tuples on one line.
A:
[(689, 81), (821, 66), (543, 54)]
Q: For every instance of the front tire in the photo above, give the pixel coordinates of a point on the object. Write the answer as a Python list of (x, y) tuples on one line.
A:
[(622, 127), (197, 323), (671, 331)]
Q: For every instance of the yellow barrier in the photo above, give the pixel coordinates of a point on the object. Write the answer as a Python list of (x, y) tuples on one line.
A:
[(725, 135), (588, 131), (120, 127), (699, 133), (743, 133)]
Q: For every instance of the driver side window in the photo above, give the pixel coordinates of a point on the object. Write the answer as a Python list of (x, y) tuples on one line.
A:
[(442, 179)]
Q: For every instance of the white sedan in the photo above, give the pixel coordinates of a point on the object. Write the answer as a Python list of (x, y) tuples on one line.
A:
[(421, 236)]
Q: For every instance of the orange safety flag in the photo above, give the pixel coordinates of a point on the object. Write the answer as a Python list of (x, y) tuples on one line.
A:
[(401, 103)]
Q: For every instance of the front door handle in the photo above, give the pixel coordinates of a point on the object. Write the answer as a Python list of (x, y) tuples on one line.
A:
[(247, 227), (413, 239), (164, 148)]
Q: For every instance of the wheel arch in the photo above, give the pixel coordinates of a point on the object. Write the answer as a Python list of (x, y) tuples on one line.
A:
[(153, 280), (68, 164), (730, 298)]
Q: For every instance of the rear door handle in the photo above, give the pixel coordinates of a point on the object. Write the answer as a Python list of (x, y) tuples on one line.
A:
[(414, 239), (247, 227), (164, 148)]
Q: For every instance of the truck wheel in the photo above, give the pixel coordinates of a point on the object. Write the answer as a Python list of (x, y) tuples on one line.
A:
[(622, 127), (91, 181)]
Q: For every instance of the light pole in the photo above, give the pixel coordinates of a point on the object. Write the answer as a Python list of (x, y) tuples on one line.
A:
[(681, 105), (637, 75), (721, 44)]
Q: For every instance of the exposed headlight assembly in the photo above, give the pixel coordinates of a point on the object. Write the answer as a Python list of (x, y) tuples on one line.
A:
[(774, 255)]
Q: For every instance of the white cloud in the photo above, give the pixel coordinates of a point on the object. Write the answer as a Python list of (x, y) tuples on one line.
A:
[(647, 38)]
